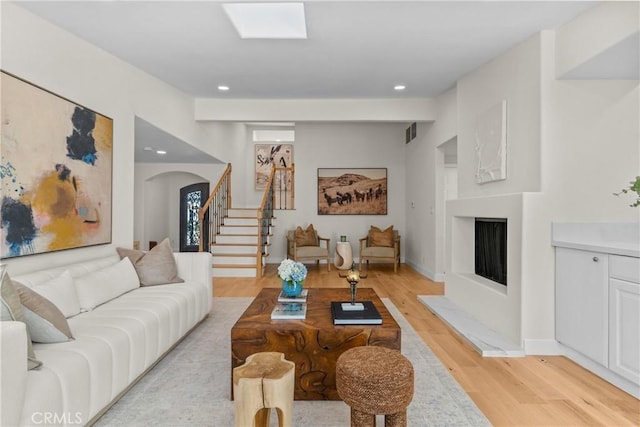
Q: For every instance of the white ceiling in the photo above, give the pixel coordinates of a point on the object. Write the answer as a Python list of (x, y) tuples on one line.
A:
[(354, 49)]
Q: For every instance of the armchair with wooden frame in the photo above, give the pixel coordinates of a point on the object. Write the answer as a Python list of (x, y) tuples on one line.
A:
[(305, 245), (380, 245)]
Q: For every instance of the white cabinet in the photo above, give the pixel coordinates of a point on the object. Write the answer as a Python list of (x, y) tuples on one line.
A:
[(598, 313), (624, 317), (582, 321)]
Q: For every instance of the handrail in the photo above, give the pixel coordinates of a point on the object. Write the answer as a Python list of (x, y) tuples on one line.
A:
[(264, 215), (216, 206), (278, 194)]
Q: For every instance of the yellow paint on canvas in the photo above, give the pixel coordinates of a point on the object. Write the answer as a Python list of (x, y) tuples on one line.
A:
[(55, 200), (103, 134)]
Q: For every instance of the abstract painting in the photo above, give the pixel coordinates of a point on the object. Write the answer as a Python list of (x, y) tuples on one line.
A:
[(268, 155), (491, 144), (355, 191), (56, 166)]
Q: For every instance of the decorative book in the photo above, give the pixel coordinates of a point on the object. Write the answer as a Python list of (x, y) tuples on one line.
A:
[(368, 316), (300, 298), (289, 311)]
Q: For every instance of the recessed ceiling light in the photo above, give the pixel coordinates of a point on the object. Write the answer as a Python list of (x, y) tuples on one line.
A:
[(268, 20), (148, 149), (223, 88), (399, 87), (161, 152)]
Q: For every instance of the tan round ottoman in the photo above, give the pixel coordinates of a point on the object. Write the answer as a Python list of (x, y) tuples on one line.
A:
[(375, 380)]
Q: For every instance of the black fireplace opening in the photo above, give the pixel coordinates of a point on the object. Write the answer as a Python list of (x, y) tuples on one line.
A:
[(491, 249)]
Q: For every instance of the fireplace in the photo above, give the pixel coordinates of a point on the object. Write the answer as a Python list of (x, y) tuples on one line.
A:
[(491, 249)]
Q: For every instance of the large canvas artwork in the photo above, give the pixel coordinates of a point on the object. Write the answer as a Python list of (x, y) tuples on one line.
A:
[(355, 191), (56, 162), (268, 155), (491, 144)]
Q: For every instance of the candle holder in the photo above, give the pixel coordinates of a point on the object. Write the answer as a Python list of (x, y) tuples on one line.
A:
[(353, 277)]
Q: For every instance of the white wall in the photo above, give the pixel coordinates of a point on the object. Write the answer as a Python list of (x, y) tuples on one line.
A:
[(570, 145), (334, 145), (514, 76), (424, 208), (157, 198), (56, 60)]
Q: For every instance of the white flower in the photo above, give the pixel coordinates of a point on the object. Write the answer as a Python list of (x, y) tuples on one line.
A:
[(290, 270)]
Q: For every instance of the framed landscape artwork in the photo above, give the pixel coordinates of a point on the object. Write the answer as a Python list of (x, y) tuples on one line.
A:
[(56, 171), (267, 155), (356, 191)]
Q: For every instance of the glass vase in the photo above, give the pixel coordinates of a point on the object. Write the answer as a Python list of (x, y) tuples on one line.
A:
[(291, 288)]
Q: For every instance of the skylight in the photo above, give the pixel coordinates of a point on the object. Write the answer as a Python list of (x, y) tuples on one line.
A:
[(268, 20)]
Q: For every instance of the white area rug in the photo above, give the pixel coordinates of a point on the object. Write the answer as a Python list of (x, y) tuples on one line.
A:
[(191, 386)]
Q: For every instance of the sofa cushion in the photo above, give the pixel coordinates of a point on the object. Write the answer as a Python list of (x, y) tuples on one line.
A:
[(106, 284), (378, 237), (156, 267), (45, 321), (11, 309), (306, 237), (61, 292)]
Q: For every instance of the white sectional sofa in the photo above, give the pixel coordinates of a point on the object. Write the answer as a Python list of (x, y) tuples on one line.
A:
[(115, 344)]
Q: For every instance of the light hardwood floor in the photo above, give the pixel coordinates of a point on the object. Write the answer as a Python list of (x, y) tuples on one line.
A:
[(527, 391)]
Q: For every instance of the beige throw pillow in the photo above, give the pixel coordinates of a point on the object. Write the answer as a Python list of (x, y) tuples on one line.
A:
[(11, 309), (378, 237), (45, 321), (156, 267), (306, 237)]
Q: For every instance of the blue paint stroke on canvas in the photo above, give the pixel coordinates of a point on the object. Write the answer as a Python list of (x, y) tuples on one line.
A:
[(17, 218), (7, 171), (80, 144)]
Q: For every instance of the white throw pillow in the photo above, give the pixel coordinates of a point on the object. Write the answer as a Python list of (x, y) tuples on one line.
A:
[(104, 285), (62, 293)]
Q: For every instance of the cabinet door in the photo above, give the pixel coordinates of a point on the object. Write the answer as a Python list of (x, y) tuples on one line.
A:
[(624, 329), (582, 293)]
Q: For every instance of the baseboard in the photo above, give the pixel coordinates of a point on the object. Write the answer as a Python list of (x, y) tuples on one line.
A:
[(542, 348), (436, 277), (601, 371)]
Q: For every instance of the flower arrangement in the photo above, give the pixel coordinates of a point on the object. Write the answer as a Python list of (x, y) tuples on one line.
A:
[(634, 187), (292, 271)]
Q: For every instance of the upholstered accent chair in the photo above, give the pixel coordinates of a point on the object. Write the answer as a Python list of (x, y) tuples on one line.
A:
[(306, 245), (380, 245)]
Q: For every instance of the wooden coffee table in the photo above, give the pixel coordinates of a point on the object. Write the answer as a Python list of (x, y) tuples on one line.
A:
[(313, 344)]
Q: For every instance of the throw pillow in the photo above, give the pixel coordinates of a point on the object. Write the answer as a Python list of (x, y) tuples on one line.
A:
[(11, 309), (306, 237), (45, 321), (62, 293), (378, 237), (106, 284), (156, 267)]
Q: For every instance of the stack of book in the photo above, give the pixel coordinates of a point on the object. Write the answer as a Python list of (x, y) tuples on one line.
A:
[(369, 315), (290, 308)]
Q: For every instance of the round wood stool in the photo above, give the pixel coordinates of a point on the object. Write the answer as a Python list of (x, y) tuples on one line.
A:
[(265, 381), (375, 380)]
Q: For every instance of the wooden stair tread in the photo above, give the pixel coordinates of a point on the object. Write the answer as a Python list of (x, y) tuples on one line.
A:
[(233, 265), (235, 254), (238, 244)]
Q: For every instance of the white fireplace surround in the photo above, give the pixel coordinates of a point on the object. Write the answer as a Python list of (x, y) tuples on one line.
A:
[(496, 306)]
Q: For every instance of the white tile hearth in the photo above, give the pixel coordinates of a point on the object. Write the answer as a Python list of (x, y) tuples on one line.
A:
[(487, 342)]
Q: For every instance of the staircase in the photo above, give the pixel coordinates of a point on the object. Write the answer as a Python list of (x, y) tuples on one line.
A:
[(240, 238), (237, 245)]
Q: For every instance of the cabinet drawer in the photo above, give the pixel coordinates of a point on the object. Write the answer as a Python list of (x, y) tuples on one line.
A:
[(625, 268)]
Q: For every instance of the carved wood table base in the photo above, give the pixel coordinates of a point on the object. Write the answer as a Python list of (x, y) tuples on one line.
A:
[(313, 344)]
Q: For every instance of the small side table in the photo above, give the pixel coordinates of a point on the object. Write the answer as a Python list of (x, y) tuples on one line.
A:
[(343, 259)]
